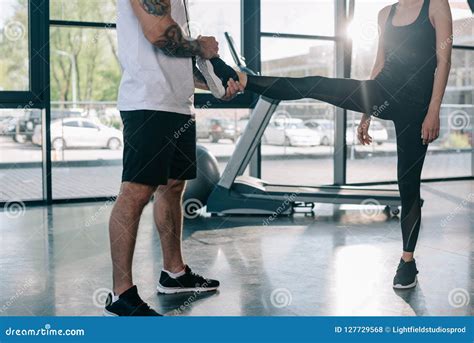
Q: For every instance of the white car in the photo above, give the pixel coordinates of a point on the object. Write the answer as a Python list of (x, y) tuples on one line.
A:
[(324, 130), (80, 133), (289, 132)]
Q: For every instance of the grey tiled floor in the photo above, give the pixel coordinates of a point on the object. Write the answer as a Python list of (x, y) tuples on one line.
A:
[(55, 261)]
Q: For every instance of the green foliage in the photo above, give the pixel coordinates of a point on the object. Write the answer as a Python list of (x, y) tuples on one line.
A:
[(14, 57), (91, 53)]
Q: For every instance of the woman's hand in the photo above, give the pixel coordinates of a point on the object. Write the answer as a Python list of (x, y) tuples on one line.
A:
[(430, 127), (233, 88), (363, 130)]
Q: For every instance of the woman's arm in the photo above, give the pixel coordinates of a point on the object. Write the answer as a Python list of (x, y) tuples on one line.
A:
[(440, 15), (363, 128), (380, 57)]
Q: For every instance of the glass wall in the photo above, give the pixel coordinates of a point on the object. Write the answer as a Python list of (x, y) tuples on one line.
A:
[(86, 128), (302, 17), (100, 11), (14, 52), (20, 159), (86, 131), (296, 40), (363, 161), (300, 136)]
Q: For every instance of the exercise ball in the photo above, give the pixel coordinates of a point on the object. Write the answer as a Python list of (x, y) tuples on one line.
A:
[(198, 190)]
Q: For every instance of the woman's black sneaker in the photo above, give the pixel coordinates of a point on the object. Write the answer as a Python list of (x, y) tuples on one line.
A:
[(406, 275), (128, 304), (189, 282), (217, 73)]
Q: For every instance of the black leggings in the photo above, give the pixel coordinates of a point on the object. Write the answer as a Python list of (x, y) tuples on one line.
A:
[(370, 97)]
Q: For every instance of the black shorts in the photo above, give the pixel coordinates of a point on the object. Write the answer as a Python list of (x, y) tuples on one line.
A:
[(158, 146)]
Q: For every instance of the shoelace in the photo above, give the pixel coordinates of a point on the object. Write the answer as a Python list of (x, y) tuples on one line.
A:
[(197, 276)]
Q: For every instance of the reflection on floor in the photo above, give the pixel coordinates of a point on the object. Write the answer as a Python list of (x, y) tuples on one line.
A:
[(55, 261)]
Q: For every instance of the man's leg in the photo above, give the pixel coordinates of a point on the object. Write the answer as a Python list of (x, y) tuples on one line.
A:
[(123, 229), (168, 215)]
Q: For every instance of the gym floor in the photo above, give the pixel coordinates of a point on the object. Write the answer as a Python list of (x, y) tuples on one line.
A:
[(55, 261)]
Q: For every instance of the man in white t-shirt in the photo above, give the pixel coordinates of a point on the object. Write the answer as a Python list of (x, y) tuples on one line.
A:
[(156, 104)]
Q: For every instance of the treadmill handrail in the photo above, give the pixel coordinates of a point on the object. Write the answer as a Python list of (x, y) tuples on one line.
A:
[(249, 141)]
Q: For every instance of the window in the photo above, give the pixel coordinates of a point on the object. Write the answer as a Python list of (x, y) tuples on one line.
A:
[(305, 17), (20, 157), (463, 26), (85, 75), (102, 11), (14, 48), (72, 124), (89, 125), (214, 18), (291, 135)]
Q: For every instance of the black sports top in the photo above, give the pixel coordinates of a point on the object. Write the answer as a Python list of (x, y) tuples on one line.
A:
[(410, 55)]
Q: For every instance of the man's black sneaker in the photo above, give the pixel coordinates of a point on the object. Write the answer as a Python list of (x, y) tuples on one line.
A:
[(217, 73), (406, 275), (128, 304), (189, 282)]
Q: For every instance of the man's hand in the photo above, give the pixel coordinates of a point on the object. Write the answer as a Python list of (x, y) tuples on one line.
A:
[(233, 88), (209, 47), (363, 130), (430, 127)]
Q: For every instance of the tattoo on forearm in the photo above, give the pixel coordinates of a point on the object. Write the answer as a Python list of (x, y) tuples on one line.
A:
[(174, 43), (156, 7)]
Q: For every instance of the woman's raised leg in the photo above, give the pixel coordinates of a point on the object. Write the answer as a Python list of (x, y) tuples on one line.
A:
[(354, 95)]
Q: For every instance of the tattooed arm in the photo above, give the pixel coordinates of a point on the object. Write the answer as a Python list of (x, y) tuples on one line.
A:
[(163, 32)]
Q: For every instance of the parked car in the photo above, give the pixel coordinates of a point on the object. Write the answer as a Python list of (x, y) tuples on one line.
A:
[(324, 130), (10, 127), (23, 128), (289, 132), (4, 124), (80, 132), (217, 129)]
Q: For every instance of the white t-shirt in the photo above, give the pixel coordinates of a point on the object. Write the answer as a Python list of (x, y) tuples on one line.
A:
[(150, 79)]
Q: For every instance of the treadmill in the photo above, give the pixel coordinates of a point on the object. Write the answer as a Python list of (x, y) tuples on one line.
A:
[(239, 194)]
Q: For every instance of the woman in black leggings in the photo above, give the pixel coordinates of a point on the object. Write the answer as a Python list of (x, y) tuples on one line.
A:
[(407, 86)]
